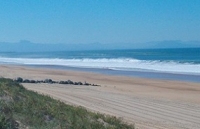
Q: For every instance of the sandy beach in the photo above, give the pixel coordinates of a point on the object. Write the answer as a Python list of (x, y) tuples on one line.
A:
[(147, 103)]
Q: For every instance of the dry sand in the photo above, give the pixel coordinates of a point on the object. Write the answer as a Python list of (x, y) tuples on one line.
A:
[(150, 104)]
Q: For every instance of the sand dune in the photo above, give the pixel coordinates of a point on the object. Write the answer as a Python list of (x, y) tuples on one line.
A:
[(150, 104), (145, 112)]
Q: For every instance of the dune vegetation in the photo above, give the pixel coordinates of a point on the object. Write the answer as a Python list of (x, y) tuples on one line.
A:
[(21, 108)]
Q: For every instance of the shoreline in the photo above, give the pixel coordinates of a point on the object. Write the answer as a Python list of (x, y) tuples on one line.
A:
[(148, 103), (143, 74)]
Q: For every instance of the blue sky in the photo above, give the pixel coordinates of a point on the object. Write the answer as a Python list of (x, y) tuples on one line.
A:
[(103, 21)]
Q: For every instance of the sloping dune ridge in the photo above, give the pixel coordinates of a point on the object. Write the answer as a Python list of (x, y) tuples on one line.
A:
[(149, 104)]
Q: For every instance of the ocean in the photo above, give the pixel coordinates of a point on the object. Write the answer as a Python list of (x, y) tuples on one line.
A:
[(171, 64)]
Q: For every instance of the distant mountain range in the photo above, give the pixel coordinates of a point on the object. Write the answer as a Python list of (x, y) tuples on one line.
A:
[(27, 46), (174, 44)]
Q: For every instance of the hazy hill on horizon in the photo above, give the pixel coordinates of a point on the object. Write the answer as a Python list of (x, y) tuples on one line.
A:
[(27, 46)]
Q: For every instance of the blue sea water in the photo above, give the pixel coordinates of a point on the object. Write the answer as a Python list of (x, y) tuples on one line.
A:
[(174, 64)]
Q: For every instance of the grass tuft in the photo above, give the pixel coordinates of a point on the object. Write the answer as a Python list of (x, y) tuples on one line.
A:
[(21, 108)]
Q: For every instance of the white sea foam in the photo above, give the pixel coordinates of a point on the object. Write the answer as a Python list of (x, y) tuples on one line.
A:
[(126, 64)]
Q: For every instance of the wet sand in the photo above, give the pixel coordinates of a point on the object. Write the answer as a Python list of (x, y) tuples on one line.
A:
[(150, 104)]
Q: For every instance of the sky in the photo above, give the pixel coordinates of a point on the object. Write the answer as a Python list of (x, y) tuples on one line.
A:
[(99, 21)]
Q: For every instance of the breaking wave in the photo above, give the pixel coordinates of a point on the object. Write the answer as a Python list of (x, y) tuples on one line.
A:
[(125, 64)]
